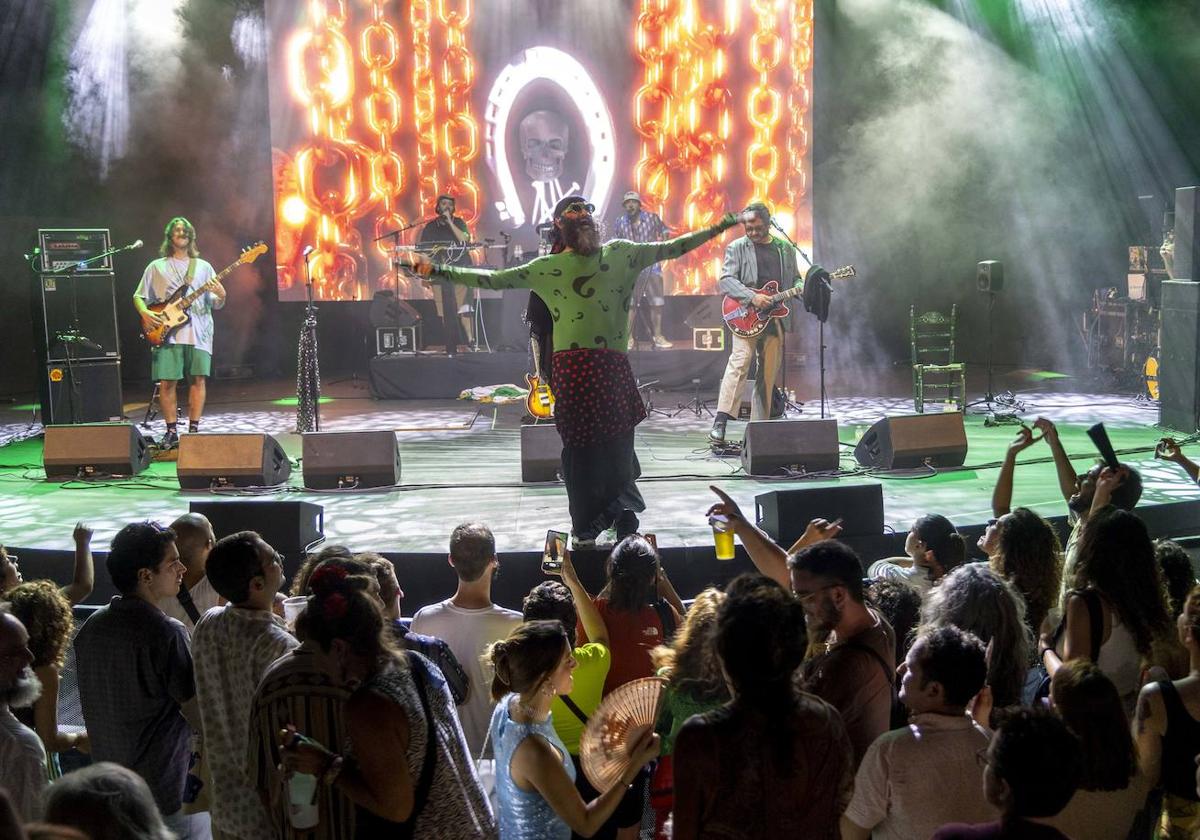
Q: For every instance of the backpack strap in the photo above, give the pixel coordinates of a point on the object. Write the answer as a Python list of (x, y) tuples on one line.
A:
[(667, 617), (888, 673), (575, 710), (189, 606)]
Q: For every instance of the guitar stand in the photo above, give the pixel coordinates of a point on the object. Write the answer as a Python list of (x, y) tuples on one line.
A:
[(644, 390), (695, 405), (152, 409)]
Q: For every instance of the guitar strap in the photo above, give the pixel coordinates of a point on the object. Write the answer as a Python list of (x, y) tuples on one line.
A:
[(191, 272)]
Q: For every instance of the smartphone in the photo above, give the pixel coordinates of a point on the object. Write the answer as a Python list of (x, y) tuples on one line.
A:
[(556, 543)]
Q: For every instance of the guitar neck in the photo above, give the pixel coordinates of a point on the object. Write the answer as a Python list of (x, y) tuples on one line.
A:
[(189, 299), (782, 296)]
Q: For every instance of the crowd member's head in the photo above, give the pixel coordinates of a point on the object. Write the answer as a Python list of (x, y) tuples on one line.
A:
[(943, 670), (389, 587), (536, 658), (245, 571), (551, 600), (345, 619), (107, 802), (761, 640), (1033, 765), (1116, 557), (312, 561), (1124, 497), (827, 579), (935, 545), (19, 686), (900, 604), (976, 599), (691, 657), (46, 614), (10, 572), (473, 551), (194, 538), (1176, 566), (1088, 703), (632, 574), (1024, 550), (143, 560)]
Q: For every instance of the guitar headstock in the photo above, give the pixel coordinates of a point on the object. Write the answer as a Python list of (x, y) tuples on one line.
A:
[(252, 252)]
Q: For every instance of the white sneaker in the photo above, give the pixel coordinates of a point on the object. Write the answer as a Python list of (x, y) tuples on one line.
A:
[(661, 341)]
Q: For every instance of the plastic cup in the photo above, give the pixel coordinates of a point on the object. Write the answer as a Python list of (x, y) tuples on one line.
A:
[(302, 806), (722, 537), (292, 607)]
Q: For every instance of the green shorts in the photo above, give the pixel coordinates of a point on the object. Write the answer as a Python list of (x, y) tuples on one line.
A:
[(175, 361)]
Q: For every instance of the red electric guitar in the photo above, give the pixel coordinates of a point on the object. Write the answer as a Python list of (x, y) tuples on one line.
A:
[(748, 321)]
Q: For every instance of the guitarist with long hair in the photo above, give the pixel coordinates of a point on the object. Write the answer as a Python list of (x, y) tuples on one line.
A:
[(187, 350)]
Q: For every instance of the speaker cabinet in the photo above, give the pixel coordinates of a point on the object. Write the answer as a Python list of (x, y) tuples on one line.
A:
[(784, 514), (989, 276), (242, 460), (75, 316), (912, 440), (1179, 371), (288, 527), (541, 453), (81, 392), (799, 445), (84, 451), (1187, 237), (349, 460)]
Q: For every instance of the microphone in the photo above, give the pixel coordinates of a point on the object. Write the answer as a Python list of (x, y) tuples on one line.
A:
[(308, 249), (33, 255), (132, 245)]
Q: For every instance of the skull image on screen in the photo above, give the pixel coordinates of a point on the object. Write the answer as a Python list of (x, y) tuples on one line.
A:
[(544, 136)]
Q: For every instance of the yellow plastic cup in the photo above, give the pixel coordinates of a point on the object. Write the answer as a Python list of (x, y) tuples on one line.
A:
[(722, 537)]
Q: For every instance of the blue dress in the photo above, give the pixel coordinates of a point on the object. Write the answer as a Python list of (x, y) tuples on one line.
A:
[(524, 815)]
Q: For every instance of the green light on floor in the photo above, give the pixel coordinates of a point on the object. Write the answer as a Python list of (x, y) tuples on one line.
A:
[(1047, 374), (25, 407), (296, 401)]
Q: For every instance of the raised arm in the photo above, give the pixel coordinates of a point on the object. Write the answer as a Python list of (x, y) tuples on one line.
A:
[(589, 616), (1002, 492), (644, 254), (1062, 464), (85, 574), (769, 558), (1169, 450)]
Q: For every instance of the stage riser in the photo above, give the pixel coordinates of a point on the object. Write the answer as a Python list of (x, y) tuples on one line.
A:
[(442, 377)]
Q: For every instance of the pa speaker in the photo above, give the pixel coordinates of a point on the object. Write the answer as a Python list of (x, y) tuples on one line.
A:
[(1187, 234), (784, 514), (799, 445), (83, 451), (349, 460), (243, 460), (288, 527), (541, 453), (913, 440), (990, 276)]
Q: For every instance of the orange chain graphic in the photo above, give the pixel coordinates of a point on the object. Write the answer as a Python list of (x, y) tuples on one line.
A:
[(380, 49), (652, 103), (798, 104), (763, 106), (425, 102), (460, 131)]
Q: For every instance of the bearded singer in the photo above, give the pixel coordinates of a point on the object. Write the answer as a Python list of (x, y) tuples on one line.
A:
[(588, 288)]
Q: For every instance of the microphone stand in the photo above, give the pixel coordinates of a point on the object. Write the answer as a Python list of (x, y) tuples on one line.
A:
[(308, 370), (820, 321)]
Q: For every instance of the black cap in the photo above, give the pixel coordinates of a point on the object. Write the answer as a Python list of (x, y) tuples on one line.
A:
[(565, 202), (447, 197)]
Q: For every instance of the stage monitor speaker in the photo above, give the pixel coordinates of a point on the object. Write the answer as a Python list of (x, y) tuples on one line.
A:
[(1179, 368), (784, 514), (1187, 234), (541, 453), (797, 445), (912, 440), (350, 460), (75, 316), (85, 451), (288, 527), (990, 276), (239, 460), (81, 392)]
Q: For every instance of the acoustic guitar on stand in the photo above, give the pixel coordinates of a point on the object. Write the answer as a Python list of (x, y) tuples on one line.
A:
[(748, 321), (173, 312)]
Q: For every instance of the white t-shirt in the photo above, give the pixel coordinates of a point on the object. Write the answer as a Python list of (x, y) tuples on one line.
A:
[(468, 632), (915, 576), (160, 280), (22, 765), (203, 596)]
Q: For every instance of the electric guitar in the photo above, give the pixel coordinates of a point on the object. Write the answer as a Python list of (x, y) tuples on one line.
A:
[(173, 312), (748, 321), (540, 402)]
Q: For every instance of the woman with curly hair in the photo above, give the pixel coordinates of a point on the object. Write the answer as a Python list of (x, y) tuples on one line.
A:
[(1116, 608), (46, 614), (405, 765), (1024, 550), (976, 599)]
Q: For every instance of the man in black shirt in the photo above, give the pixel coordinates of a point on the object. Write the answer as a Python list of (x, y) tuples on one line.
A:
[(451, 233)]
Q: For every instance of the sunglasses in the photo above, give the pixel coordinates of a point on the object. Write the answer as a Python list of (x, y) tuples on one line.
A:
[(577, 208)]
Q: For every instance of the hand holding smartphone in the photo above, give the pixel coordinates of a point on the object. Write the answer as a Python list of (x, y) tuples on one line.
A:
[(552, 554)]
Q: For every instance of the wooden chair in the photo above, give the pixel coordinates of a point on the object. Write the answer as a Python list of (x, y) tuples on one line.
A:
[(934, 368)]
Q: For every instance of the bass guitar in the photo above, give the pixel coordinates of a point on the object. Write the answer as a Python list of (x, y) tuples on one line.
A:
[(540, 402), (748, 321), (173, 312)]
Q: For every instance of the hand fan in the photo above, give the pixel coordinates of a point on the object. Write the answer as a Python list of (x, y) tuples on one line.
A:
[(621, 719)]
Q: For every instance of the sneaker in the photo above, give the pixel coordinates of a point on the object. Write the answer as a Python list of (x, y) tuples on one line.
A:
[(170, 440), (607, 538), (583, 544), (661, 341), (717, 434), (627, 523)]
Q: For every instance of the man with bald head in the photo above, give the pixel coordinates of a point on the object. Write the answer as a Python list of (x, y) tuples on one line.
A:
[(194, 538), (22, 757)]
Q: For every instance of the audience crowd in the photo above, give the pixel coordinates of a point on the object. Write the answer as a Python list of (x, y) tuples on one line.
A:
[(1034, 691)]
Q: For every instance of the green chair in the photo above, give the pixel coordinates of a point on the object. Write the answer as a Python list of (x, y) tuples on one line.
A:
[(934, 369)]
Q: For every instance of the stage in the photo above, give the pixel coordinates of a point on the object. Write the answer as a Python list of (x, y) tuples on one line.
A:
[(461, 461)]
